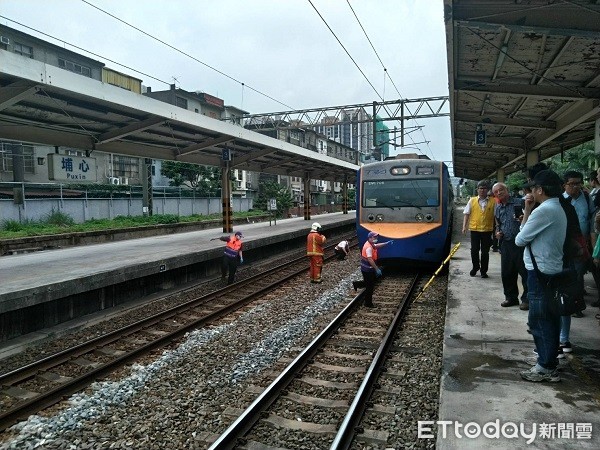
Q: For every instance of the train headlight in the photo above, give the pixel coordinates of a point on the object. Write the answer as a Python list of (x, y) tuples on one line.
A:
[(400, 170), (379, 217), (371, 218), (428, 217), (419, 217)]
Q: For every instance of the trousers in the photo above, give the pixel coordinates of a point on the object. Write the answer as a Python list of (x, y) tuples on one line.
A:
[(316, 265), (481, 241)]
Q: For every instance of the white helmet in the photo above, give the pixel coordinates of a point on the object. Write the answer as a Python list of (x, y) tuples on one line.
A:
[(315, 227)]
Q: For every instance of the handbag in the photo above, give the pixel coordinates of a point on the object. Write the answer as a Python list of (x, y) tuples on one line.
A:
[(566, 291)]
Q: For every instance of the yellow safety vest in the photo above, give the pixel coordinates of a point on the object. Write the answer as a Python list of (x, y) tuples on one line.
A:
[(481, 220)]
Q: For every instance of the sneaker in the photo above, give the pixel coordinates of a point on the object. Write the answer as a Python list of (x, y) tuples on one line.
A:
[(473, 272), (566, 347), (524, 306), (535, 376)]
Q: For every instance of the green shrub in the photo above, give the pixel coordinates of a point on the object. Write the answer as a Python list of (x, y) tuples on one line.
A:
[(13, 225), (59, 219)]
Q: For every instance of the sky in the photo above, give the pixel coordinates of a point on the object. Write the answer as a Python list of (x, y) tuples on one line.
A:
[(280, 48)]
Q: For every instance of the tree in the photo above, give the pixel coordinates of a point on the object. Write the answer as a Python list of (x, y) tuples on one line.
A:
[(272, 189), (469, 188), (205, 180), (582, 158), (351, 198)]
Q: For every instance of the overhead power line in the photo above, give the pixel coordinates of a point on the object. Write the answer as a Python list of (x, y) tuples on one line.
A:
[(185, 54)]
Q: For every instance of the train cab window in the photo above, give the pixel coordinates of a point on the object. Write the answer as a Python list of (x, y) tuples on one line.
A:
[(396, 193)]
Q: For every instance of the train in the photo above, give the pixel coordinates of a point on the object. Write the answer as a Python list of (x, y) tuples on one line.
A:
[(407, 199)]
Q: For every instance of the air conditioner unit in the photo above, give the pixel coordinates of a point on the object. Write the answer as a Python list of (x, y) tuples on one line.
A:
[(124, 180), (4, 40), (114, 180)]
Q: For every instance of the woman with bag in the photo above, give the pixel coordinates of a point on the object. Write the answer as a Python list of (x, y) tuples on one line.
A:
[(543, 229)]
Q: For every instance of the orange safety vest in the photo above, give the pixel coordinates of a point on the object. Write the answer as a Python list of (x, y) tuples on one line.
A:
[(233, 247), (481, 220), (314, 244), (365, 266)]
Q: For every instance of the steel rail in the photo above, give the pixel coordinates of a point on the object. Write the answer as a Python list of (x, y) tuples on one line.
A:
[(228, 439), (24, 409), (348, 428)]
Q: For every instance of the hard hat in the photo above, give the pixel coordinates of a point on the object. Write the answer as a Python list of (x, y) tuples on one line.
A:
[(315, 227)]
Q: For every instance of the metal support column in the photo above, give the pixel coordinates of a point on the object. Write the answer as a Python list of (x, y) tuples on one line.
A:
[(345, 195), (226, 199), (147, 205), (307, 196), (500, 175), (375, 145), (18, 162), (532, 157)]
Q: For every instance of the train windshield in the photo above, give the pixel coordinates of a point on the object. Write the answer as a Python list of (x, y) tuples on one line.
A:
[(401, 193)]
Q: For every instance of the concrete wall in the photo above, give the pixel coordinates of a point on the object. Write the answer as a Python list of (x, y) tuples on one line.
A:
[(84, 209)]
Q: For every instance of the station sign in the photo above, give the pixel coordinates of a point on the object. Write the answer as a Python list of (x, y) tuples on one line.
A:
[(73, 169)]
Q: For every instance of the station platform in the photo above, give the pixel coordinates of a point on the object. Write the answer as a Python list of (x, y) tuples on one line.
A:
[(41, 278), (486, 346)]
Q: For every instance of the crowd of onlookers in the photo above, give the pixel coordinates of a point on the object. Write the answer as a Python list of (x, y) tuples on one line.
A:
[(550, 226)]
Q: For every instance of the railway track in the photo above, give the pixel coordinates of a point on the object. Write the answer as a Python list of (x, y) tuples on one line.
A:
[(320, 398), (32, 388)]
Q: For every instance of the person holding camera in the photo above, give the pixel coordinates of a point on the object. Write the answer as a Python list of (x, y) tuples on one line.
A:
[(508, 215)]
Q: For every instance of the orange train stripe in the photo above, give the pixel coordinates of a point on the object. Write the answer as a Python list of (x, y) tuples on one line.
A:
[(400, 230)]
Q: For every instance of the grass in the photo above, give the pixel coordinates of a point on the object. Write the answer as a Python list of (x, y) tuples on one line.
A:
[(58, 222)]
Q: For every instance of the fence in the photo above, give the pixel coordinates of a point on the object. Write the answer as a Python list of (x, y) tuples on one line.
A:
[(41, 200)]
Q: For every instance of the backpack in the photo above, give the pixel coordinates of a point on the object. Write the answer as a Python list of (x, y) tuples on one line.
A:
[(575, 247)]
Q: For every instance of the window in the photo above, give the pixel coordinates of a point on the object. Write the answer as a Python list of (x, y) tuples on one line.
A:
[(181, 102), (74, 67), (6, 156), (401, 193), (125, 166), (24, 50)]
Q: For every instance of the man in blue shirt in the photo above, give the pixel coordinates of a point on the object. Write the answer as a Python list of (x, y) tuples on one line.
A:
[(508, 215), (543, 231)]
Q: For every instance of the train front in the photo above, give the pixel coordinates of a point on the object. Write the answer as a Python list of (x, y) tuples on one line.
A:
[(406, 201)]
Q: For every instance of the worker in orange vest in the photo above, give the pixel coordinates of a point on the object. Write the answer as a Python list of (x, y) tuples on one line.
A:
[(314, 250), (369, 268), (232, 256)]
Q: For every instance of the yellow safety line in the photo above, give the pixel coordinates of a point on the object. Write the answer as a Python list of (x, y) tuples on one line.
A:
[(452, 252)]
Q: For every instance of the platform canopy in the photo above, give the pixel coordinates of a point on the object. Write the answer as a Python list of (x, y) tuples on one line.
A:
[(524, 77), (45, 104)]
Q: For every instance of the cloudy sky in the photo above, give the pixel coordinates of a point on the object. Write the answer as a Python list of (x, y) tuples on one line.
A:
[(280, 48)]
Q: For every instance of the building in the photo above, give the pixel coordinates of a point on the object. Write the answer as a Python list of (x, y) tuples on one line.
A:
[(112, 168), (321, 191), (354, 128)]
